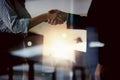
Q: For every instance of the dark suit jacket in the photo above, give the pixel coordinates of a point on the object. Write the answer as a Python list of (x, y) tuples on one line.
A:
[(103, 15)]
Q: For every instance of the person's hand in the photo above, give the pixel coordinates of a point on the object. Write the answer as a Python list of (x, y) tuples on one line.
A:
[(56, 17), (98, 72)]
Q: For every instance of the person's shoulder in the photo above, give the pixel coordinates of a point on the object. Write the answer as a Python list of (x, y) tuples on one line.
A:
[(2, 2)]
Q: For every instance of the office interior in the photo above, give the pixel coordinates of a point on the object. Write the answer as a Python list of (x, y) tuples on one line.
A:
[(50, 51)]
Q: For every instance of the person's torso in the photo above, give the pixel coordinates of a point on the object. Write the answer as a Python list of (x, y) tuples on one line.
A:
[(11, 9)]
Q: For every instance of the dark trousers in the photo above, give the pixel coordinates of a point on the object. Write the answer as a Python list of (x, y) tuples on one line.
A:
[(8, 42)]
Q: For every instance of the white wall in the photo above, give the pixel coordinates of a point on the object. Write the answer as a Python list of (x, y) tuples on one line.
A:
[(36, 7)]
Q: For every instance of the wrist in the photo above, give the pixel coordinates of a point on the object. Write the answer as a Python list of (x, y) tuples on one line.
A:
[(37, 20), (43, 17), (66, 15)]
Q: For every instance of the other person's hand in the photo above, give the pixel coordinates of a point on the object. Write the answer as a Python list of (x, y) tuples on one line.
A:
[(56, 17), (98, 71)]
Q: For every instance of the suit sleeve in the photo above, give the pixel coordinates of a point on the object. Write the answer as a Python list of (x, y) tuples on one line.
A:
[(75, 21)]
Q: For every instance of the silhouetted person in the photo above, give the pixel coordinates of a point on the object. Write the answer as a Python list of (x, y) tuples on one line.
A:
[(103, 15)]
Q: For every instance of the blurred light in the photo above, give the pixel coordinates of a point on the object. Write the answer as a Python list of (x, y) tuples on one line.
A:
[(81, 46), (63, 49), (29, 43), (64, 35), (96, 44), (28, 52), (71, 74), (22, 67), (60, 49)]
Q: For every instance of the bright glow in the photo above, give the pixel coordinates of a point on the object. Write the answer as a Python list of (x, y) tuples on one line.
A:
[(96, 44), (29, 43), (58, 45), (64, 35), (60, 49), (24, 67), (28, 52)]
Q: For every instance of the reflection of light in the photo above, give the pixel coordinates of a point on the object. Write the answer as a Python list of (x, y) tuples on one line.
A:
[(24, 67), (29, 43), (28, 52), (64, 35), (60, 49), (80, 46), (58, 46), (96, 44)]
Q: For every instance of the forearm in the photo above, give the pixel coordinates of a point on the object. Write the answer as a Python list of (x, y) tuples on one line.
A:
[(37, 20), (99, 66), (98, 71)]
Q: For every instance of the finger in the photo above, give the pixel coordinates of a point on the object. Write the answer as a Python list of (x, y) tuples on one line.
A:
[(51, 16), (61, 18), (59, 21), (55, 22), (49, 21), (52, 22)]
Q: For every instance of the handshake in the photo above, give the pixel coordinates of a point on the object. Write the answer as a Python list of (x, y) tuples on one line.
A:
[(55, 17)]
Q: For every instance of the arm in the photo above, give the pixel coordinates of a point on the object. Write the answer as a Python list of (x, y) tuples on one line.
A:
[(98, 71), (37, 20), (11, 22), (76, 21)]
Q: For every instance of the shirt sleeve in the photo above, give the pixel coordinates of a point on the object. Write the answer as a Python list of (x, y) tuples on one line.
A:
[(76, 21), (11, 20)]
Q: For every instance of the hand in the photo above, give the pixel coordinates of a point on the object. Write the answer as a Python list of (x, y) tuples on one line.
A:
[(98, 72), (56, 17)]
